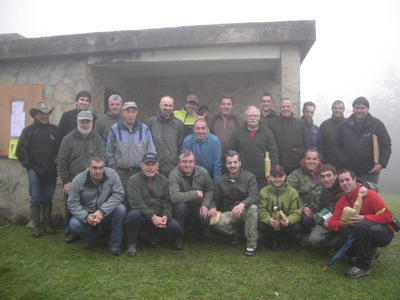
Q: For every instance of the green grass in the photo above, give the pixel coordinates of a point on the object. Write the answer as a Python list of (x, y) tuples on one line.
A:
[(46, 268)]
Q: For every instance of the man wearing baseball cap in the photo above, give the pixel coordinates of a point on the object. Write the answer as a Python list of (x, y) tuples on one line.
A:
[(150, 206), (36, 151), (279, 194), (188, 114)]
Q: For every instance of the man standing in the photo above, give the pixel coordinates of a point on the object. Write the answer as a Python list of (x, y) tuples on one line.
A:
[(224, 124), (371, 226), (76, 148), (187, 115), (353, 144), (191, 191), (206, 147), (95, 197), (36, 151), (104, 123), (167, 133), (313, 132), (280, 194), (127, 142), (236, 196), (290, 135), (252, 141), (305, 181), (328, 128), (267, 111), (151, 208)]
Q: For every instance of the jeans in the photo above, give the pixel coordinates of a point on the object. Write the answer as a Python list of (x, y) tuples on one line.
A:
[(284, 234), (41, 190), (306, 224), (88, 233), (190, 212)]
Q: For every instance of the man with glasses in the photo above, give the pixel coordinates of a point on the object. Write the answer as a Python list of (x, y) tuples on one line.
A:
[(252, 141)]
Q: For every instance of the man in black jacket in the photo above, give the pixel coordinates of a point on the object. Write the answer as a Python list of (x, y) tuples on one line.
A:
[(36, 151)]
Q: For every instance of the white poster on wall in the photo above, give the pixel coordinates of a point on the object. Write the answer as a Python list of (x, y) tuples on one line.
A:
[(17, 118)]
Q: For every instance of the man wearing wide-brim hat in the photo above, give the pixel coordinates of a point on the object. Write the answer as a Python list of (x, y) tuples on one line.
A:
[(36, 150)]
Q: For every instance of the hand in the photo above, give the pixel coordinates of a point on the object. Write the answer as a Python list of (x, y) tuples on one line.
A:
[(90, 219), (358, 218), (203, 212), (237, 210), (165, 219), (326, 224), (268, 176), (343, 223), (285, 223), (67, 186), (274, 223), (377, 168), (158, 221), (200, 194), (98, 216), (307, 212), (212, 212), (363, 191)]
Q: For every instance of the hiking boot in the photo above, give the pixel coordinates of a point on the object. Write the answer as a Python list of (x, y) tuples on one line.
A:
[(272, 245), (250, 251), (87, 246), (131, 252), (71, 238), (114, 250), (35, 212), (355, 272), (285, 246), (46, 218), (376, 254), (235, 241), (177, 244), (304, 239)]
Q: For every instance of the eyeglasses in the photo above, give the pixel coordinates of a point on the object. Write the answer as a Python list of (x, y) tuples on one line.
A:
[(252, 116)]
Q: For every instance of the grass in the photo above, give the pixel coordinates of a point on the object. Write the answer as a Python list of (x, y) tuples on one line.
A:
[(46, 268)]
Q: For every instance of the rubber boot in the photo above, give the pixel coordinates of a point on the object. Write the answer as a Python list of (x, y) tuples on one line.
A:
[(132, 242), (46, 217), (35, 212)]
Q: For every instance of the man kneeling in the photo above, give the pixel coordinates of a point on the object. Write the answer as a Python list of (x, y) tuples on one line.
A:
[(236, 195), (96, 197), (151, 208)]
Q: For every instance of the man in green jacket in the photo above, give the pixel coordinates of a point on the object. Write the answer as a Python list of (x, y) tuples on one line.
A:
[(279, 194), (236, 196), (150, 206)]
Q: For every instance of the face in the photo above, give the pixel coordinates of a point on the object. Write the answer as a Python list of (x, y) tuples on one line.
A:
[(96, 170), (278, 180), (114, 106), (328, 179), (308, 113), (311, 161), (186, 164), (252, 118), (233, 164), (191, 107), (200, 130), (338, 110), (150, 168), (286, 108), (85, 126), (266, 104), (347, 183), (166, 107), (226, 107), (42, 117), (130, 115), (360, 112), (83, 103)]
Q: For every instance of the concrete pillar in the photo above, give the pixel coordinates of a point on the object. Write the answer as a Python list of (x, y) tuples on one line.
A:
[(290, 76)]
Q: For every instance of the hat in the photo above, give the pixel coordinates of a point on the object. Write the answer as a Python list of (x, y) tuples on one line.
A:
[(85, 115), (41, 106), (192, 98), (128, 105), (149, 156), (277, 169)]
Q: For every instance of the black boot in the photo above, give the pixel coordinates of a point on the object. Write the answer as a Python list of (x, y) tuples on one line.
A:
[(132, 241), (35, 212), (46, 214)]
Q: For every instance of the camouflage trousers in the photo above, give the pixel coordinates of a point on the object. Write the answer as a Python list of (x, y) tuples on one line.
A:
[(248, 219)]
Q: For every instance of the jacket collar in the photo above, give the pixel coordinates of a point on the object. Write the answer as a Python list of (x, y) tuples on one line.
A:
[(89, 181), (162, 119)]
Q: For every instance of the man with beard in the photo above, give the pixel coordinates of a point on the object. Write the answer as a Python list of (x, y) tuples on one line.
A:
[(187, 115), (236, 196), (266, 107), (75, 151), (167, 132)]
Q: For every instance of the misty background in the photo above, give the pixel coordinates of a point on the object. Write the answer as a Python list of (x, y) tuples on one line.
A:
[(356, 52)]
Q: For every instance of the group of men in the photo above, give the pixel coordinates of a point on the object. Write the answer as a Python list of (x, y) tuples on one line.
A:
[(173, 173)]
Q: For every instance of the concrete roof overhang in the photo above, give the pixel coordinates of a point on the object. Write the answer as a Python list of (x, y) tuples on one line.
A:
[(207, 49)]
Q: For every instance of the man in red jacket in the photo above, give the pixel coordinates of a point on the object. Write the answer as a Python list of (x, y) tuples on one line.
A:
[(371, 226)]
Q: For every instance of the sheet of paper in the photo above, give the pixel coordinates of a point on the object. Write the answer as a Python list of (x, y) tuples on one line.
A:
[(17, 118)]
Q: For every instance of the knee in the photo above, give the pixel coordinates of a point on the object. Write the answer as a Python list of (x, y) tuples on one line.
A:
[(75, 224), (253, 210), (121, 211), (132, 217)]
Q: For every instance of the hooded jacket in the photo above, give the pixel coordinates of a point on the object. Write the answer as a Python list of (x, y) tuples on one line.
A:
[(187, 119)]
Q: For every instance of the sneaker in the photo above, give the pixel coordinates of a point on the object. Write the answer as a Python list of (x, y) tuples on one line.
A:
[(71, 238), (285, 246), (177, 244), (114, 250), (250, 251), (87, 246), (235, 241), (355, 272), (272, 245), (304, 239)]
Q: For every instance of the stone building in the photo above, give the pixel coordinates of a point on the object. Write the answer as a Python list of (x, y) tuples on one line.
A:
[(240, 60)]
